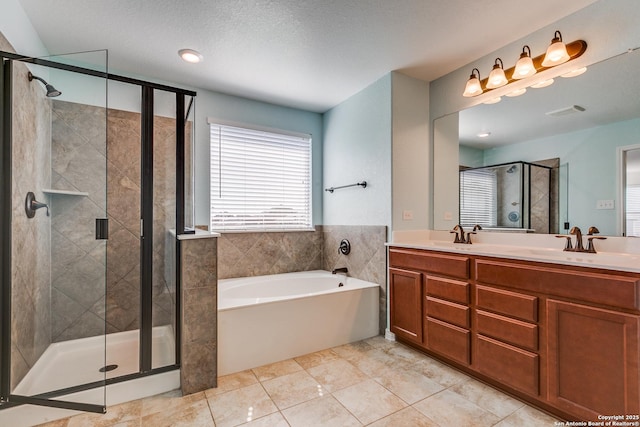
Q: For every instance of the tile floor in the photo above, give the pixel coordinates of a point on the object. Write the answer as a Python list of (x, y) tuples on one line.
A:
[(373, 382)]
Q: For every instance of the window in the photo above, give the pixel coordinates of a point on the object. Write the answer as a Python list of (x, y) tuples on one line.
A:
[(260, 180), (633, 210), (478, 201)]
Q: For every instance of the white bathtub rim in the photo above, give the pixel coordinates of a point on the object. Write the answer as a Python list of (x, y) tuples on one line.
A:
[(356, 285)]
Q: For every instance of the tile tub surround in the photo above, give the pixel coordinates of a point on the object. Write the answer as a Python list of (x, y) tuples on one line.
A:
[(367, 260), (372, 382), (262, 253), (198, 369), (30, 244)]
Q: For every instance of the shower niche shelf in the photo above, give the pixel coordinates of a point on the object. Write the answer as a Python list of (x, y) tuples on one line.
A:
[(65, 192)]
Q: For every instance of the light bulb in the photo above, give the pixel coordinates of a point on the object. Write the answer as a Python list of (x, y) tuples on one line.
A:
[(524, 66), (556, 52)]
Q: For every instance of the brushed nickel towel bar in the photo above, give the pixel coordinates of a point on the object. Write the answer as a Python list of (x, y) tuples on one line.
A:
[(362, 184)]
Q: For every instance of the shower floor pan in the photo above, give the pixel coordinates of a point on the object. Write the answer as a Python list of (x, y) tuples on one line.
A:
[(70, 363)]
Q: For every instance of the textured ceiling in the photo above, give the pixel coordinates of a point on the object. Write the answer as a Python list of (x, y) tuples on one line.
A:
[(309, 54)]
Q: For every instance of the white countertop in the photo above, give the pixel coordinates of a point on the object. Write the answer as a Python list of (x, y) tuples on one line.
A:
[(614, 253)]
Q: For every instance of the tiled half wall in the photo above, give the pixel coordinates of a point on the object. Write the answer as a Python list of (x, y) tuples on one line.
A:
[(257, 254)]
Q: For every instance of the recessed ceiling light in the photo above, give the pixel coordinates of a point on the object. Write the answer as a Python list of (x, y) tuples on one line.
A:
[(190, 55), (483, 134)]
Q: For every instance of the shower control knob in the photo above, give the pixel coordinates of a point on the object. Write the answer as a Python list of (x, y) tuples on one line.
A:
[(345, 247)]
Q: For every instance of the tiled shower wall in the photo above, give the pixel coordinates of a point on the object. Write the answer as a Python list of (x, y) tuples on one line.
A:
[(256, 254), (79, 303), (30, 248)]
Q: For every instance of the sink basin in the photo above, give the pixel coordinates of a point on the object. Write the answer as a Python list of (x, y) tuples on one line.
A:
[(610, 260), (597, 259)]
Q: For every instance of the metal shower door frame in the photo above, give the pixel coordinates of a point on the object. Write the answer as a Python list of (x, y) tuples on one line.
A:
[(7, 399)]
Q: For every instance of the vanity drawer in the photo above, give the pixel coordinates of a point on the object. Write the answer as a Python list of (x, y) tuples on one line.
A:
[(448, 311), (514, 304), (516, 332), (613, 289), (452, 290), (434, 262), (448, 340), (510, 365)]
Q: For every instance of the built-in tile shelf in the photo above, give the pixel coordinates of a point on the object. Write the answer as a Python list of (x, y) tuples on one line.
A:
[(65, 192)]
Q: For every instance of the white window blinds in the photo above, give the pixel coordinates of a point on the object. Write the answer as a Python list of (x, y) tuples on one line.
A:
[(478, 197), (632, 205), (260, 180)]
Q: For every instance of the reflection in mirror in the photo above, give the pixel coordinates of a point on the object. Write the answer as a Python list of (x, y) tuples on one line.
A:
[(632, 192), (514, 197), (581, 121)]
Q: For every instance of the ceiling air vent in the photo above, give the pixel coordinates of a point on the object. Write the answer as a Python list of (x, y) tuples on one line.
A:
[(566, 110)]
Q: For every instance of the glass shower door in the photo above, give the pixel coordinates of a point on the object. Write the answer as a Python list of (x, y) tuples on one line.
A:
[(58, 230)]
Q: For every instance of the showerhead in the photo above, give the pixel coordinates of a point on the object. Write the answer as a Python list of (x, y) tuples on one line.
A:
[(52, 92), (512, 169)]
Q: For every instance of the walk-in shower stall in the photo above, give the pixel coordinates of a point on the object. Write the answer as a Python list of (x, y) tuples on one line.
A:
[(96, 183), (516, 196)]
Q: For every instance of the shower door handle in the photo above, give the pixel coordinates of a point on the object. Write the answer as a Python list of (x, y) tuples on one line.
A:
[(102, 228)]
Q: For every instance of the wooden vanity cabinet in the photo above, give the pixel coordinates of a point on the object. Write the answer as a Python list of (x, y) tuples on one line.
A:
[(447, 318), (505, 345), (593, 360), (565, 337), (441, 307), (405, 304)]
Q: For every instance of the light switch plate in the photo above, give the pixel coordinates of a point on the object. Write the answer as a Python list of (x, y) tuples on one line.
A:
[(605, 204)]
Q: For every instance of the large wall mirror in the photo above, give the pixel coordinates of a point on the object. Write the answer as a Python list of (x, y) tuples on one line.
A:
[(585, 128)]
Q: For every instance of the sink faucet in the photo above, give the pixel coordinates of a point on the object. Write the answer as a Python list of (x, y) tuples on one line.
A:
[(579, 247), (578, 233), (476, 227), (590, 247), (340, 270), (459, 232)]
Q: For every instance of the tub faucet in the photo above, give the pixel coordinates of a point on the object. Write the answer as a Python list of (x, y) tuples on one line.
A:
[(340, 270)]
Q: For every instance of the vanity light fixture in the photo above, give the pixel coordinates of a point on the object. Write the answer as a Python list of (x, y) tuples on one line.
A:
[(516, 92), (473, 87), (543, 83), (524, 66), (493, 101), (496, 77), (190, 55), (556, 52), (575, 72)]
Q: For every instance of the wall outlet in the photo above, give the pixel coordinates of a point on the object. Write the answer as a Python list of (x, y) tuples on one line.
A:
[(448, 216), (605, 204), (407, 215)]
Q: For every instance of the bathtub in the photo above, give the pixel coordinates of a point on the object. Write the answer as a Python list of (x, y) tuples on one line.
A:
[(267, 319)]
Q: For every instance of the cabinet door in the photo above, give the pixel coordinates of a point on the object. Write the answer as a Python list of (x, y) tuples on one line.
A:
[(405, 304), (593, 360)]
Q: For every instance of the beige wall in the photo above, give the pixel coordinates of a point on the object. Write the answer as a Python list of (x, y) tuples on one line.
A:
[(30, 263), (80, 304)]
